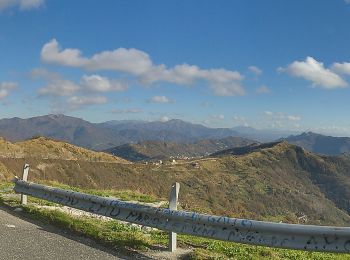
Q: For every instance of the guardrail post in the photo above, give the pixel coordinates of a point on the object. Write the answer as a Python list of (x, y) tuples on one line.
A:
[(174, 195), (25, 178)]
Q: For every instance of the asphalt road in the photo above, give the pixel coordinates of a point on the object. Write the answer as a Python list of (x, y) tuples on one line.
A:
[(25, 239)]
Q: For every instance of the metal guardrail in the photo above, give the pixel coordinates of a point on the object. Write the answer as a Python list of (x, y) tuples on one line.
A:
[(292, 236)]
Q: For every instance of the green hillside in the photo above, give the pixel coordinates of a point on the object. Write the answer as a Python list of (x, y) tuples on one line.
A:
[(278, 182)]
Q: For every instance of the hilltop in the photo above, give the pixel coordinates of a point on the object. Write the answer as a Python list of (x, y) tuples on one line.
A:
[(151, 150), (277, 181), (46, 148)]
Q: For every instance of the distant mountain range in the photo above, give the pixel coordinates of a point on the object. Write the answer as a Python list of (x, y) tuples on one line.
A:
[(321, 144), (150, 150), (102, 136), (263, 135), (106, 135)]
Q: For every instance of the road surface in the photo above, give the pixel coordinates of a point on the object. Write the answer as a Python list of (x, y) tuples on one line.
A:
[(23, 239)]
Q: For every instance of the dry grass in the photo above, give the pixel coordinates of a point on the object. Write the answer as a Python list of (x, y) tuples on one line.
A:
[(277, 183), (45, 148)]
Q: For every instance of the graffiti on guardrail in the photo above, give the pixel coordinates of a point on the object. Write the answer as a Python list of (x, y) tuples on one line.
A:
[(293, 236)]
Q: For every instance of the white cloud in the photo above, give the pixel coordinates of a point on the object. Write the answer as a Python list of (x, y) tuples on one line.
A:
[(294, 118), (101, 84), (51, 53), (341, 68), (164, 119), (77, 102), (263, 90), (5, 88), (257, 71), (278, 120), (333, 130), (347, 1), (30, 4), (240, 120), (228, 89), (57, 86), (139, 64), (160, 99), (282, 116), (314, 71), (218, 117), (215, 120), (21, 4), (127, 111)]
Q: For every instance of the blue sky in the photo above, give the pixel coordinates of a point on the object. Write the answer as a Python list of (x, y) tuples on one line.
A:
[(265, 64)]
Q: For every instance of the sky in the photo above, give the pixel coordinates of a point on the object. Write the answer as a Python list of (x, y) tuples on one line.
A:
[(265, 64)]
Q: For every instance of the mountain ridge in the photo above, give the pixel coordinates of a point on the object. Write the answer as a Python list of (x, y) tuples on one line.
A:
[(322, 144), (101, 136)]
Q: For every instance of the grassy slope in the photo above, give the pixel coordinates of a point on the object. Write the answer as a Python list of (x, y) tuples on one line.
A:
[(46, 148), (278, 183)]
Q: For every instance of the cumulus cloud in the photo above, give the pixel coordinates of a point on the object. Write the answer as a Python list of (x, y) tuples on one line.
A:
[(77, 102), (341, 68), (257, 71), (263, 90), (55, 85), (127, 111), (102, 84), (58, 86), (139, 64), (21, 4), (66, 94), (6, 88), (160, 99), (314, 71)]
